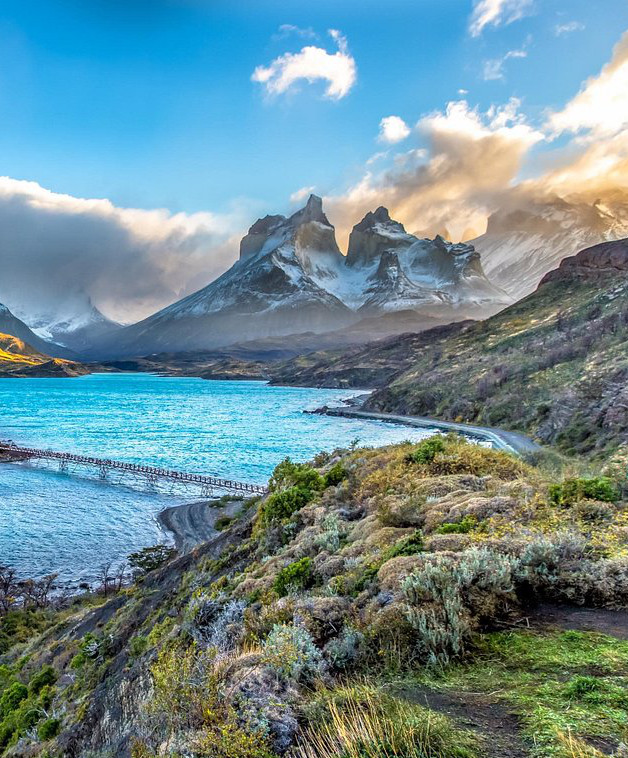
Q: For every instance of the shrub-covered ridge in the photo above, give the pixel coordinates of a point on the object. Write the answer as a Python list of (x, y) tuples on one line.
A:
[(359, 568)]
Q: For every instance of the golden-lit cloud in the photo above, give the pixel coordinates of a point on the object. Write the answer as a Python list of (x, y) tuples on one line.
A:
[(471, 163), (470, 158), (601, 106)]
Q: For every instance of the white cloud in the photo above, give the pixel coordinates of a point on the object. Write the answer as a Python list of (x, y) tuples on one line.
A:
[(393, 129), (301, 194), (129, 261), (601, 107), (494, 69), (285, 30), (571, 26), (311, 64), (496, 12)]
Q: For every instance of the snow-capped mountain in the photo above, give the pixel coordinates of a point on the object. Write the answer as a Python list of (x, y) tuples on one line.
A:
[(291, 278), (400, 271), (530, 237), (75, 323), (15, 327)]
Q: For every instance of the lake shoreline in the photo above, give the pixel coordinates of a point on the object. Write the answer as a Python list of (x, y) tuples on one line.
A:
[(191, 524)]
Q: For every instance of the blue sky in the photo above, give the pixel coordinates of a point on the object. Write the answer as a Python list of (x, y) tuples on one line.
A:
[(150, 103), (139, 139)]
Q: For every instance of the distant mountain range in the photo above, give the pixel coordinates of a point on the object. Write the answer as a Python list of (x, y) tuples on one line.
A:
[(291, 278), (75, 324), (532, 236), (12, 325)]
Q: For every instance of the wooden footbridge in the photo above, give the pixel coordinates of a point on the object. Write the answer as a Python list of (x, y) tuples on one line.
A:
[(152, 474)]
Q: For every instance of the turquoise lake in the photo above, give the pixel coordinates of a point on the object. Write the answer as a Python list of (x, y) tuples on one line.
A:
[(72, 523)]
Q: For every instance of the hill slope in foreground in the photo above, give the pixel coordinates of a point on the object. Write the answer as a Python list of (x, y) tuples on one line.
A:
[(554, 365), (376, 603), (18, 359)]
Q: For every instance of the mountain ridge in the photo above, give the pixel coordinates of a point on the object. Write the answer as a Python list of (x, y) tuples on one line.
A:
[(291, 277)]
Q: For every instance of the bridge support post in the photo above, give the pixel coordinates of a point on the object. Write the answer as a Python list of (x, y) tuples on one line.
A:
[(102, 474), (63, 467), (207, 490)]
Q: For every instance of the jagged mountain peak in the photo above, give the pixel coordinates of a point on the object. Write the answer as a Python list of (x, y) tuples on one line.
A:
[(379, 216), (292, 277), (271, 231), (312, 211), (375, 234)]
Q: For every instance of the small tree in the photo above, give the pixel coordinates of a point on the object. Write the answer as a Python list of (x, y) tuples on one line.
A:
[(151, 558), (8, 589)]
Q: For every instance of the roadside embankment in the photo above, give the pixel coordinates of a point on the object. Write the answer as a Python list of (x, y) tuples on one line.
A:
[(501, 439)]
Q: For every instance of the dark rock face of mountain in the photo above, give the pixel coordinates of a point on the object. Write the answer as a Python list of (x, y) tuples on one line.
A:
[(375, 235), (291, 277)]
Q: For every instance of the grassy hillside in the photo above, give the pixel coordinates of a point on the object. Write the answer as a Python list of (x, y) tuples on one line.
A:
[(376, 603), (554, 365), (19, 359)]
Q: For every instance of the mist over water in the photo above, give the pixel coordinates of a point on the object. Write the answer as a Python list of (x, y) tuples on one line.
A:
[(72, 524)]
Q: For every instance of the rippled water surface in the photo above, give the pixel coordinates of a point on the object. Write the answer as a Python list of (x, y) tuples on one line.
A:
[(70, 523)]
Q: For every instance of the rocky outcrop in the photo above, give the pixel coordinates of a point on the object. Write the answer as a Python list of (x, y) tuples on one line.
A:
[(599, 260), (375, 235)]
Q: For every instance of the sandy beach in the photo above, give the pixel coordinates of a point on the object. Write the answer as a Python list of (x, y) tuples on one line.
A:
[(194, 523)]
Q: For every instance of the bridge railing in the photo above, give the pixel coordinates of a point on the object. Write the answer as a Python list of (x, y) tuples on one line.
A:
[(15, 451)]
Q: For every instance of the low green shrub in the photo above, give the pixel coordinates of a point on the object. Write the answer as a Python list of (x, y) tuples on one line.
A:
[(448, 598), (11, 698), (461, 527), (223, 522), (295, 576), (49, 728), (151, 558), (288, 474), (426, 451), (336, 474), (595, 488), (289, 651), (45, 676), (410, 545), (281, 505), (138, 646)]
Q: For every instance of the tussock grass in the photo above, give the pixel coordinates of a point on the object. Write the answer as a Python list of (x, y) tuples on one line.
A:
[(362, 722)]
